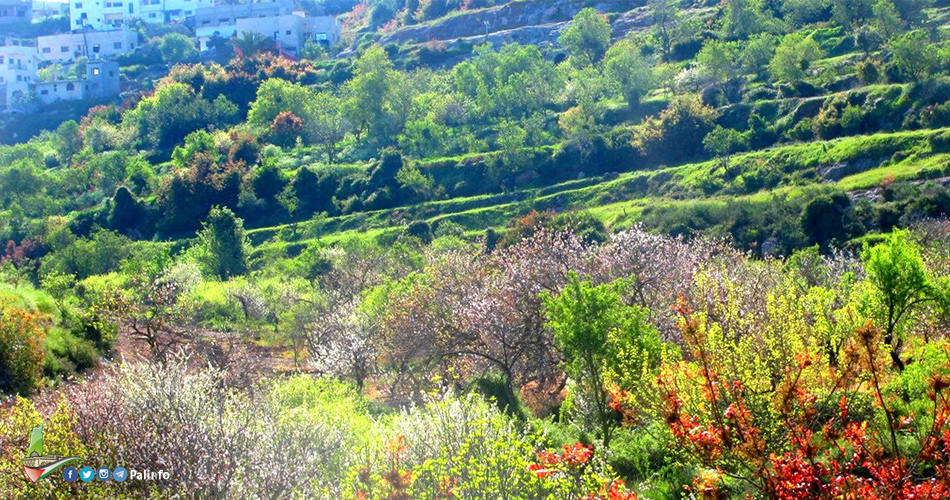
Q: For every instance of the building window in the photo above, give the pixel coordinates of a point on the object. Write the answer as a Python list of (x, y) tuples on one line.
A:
[(95, 71), (112, 73), (46, 50), (117, 45), (78, 5), (70, 87), (19, 78), (151, 14), (95, 48), (44, 92), (288, 32), (64, 49)]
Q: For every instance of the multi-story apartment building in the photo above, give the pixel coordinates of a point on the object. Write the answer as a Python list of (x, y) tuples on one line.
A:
[(221, 20), (106, 14), (18, 65), (290, 29), (89, 44), (15, 11)]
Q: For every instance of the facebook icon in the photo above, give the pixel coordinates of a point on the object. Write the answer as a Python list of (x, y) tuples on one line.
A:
[(70, 474)]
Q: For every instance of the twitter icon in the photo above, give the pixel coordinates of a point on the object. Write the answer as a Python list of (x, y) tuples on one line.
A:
[(87, 474)]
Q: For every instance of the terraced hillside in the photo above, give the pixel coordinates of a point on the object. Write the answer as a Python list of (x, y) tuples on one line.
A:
[(494, 249)]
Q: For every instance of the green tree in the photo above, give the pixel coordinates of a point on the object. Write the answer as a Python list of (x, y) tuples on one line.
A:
[(630, 71), (717, 61), (177, 48), (325, 124), (222, 244), (793, 56), (371, 92), (268, 181), (665, 19), (67, 139), (915, 56), (598, 333), (756, 53), (276, 96), (512, 156), (411, 178), (887, 19), (902, 283), (126, 211), (587, 38), (851, 12), (913, 11), (723, 142), (163, 119), (743, 18), (289, 202), (826, 219)]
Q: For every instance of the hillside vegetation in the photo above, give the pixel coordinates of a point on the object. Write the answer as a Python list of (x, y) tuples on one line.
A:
[(655, 250)]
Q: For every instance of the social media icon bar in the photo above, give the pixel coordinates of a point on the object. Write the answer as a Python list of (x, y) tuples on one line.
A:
[(103, 473), (70, 474), (86, 474), (119, 474)]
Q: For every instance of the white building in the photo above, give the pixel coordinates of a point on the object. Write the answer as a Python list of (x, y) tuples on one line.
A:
[(105, 14), (15, 11), (50, 8), (290, 29), (90, 44), (18, 65), (102, 80), (221, 20)]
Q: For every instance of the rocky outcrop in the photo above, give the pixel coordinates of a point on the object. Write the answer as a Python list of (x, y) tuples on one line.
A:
[(838, 171), (523, 21)]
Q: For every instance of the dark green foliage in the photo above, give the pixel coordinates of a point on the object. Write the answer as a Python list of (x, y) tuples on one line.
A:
[(222, 244), (828, 220), (244, 148), (774, 223), (126, 211), (419, 230), (491, 240), (187, 196), (583, 224), (268, 181), (660, 139), (493, 386)]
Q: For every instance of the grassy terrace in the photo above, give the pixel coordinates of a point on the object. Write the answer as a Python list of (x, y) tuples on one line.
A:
[(788, 170)]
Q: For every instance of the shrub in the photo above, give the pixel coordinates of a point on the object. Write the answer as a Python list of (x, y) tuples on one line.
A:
[(420, 230), (659, 138), (869, 71), (21, 352)]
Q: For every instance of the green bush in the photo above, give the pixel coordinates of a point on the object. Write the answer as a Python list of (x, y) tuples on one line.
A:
[(67, 354), (21, 353)]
